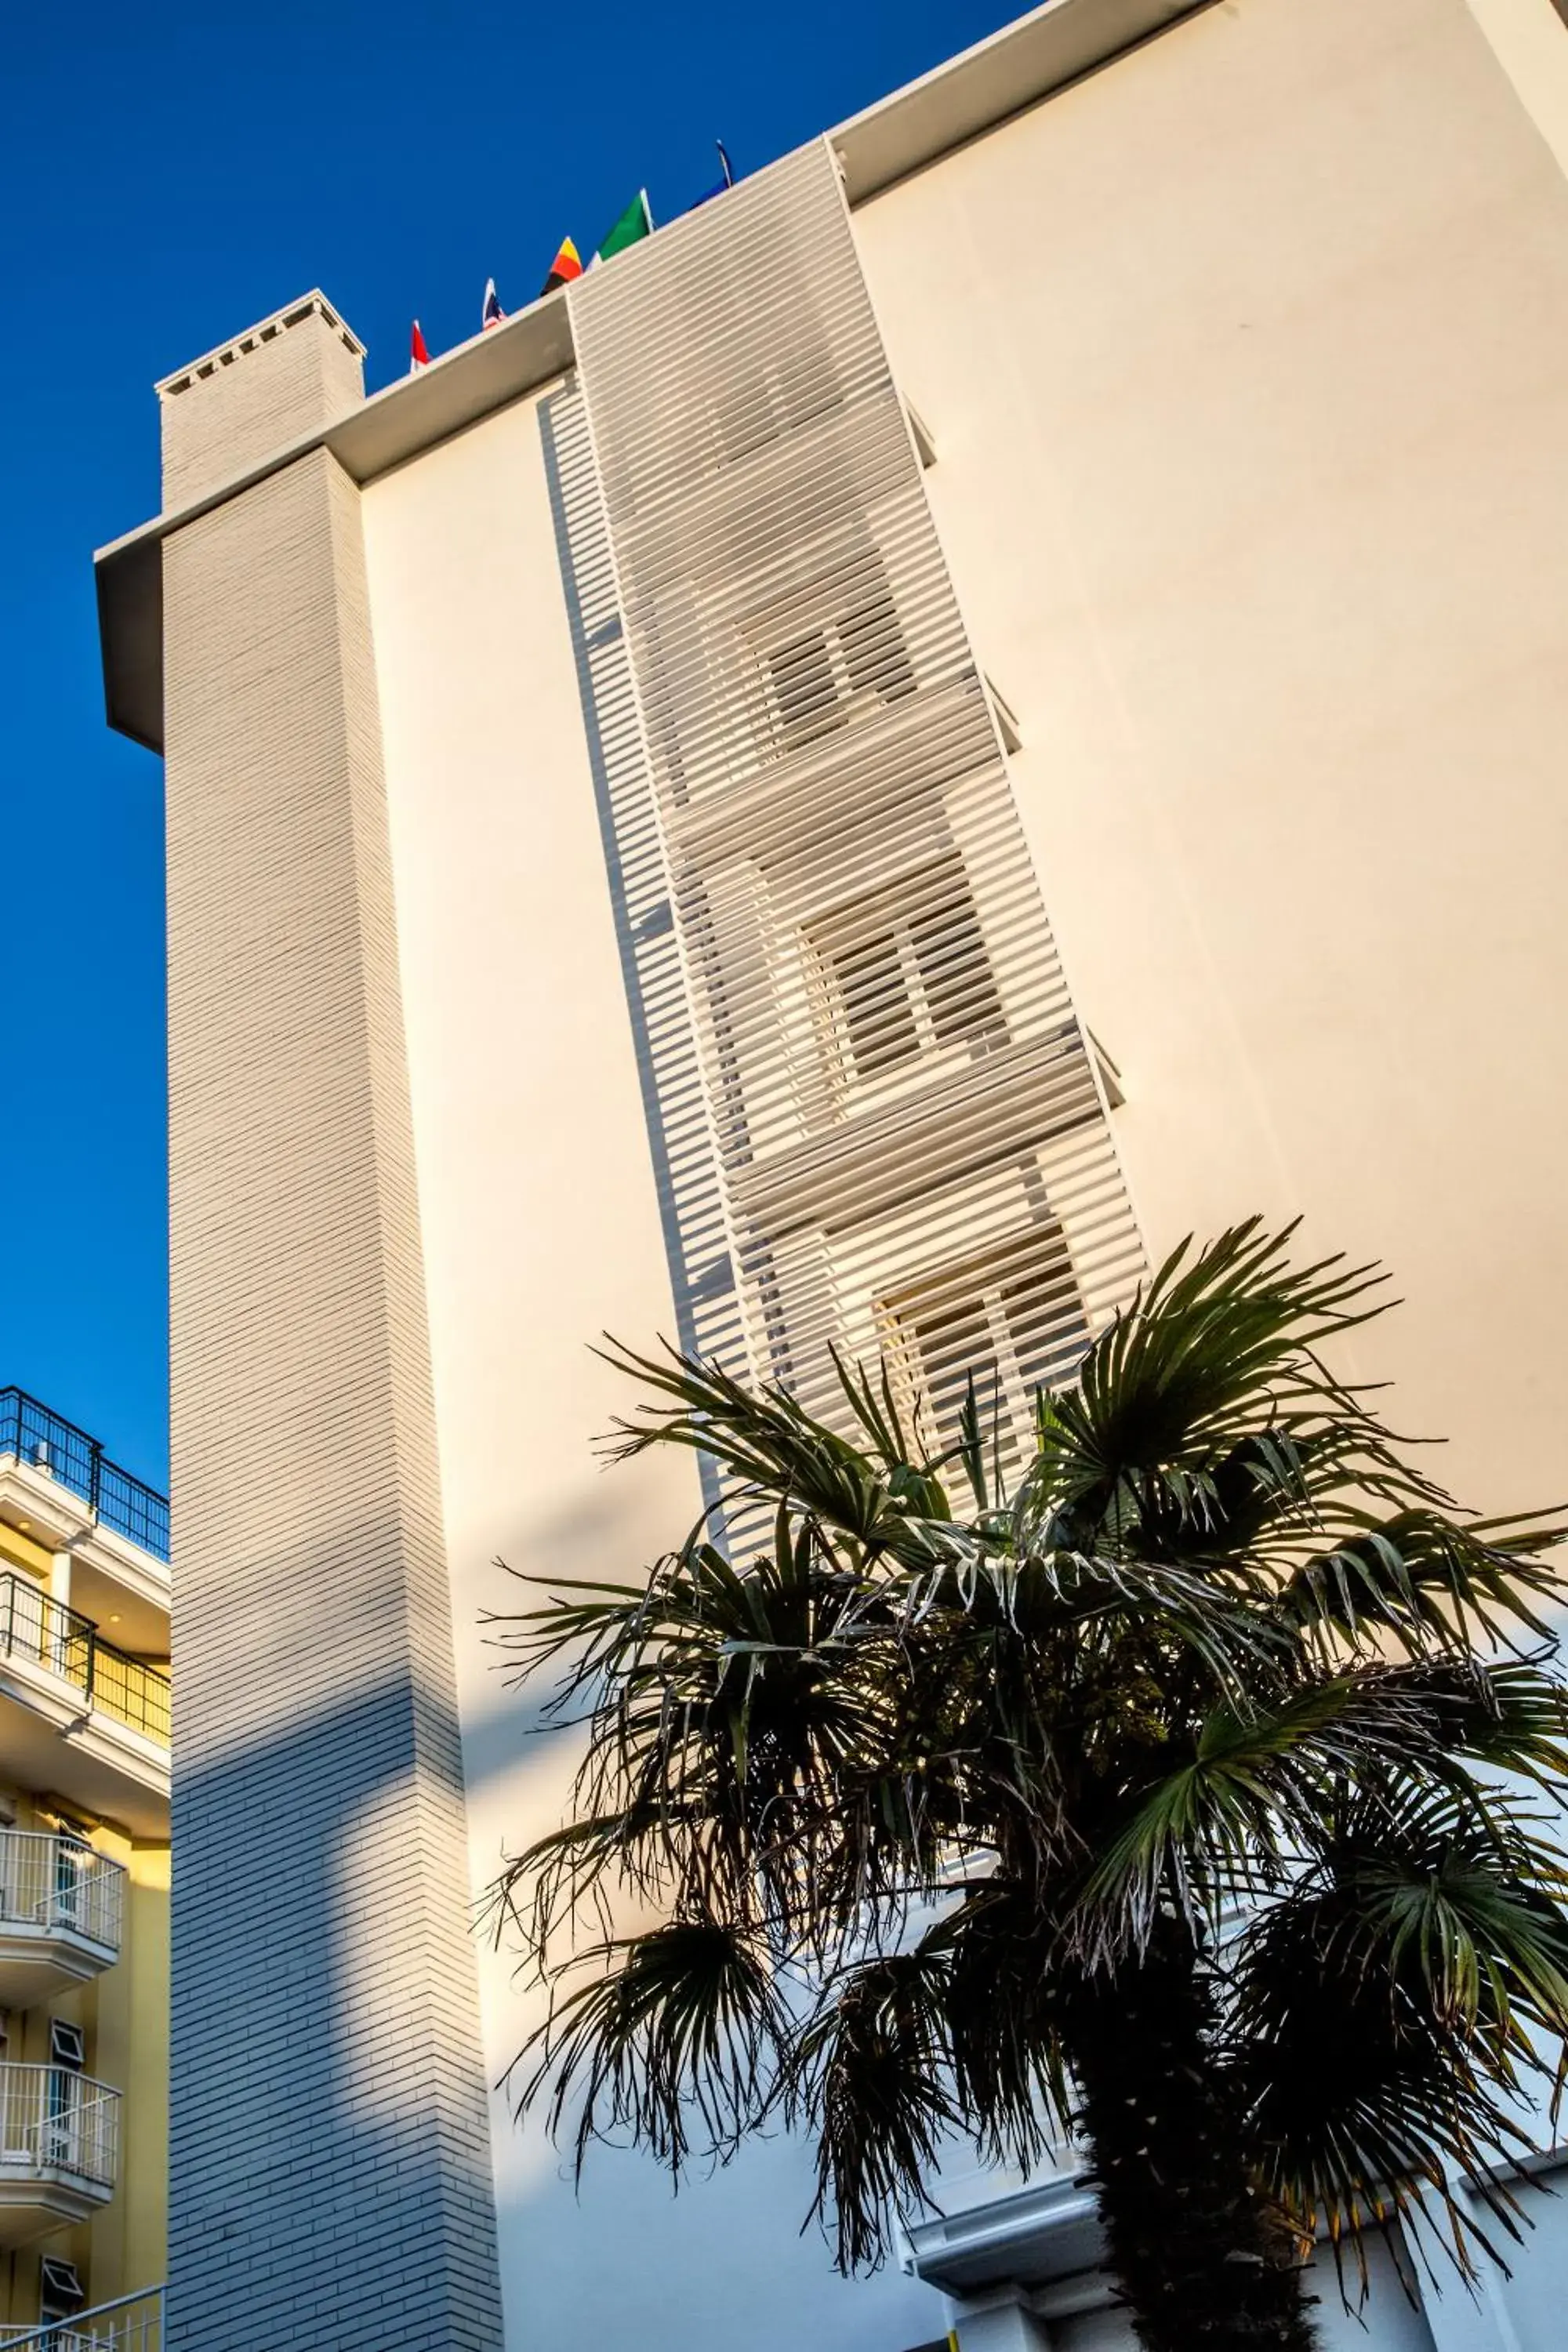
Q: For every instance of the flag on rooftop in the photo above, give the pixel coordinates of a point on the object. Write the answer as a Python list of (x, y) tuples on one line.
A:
[(418, 356), (493, 313), (635, 224), (567, 265), (719, 186)]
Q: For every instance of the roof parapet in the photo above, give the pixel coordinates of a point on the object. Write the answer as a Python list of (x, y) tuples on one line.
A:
[(314, 304)]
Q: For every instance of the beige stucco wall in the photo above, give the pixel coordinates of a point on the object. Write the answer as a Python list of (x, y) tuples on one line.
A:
[(1246, 362), (1527, 37), (537, 1205)]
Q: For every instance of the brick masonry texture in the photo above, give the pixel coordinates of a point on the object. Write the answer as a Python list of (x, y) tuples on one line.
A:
[(304, 376), (331, 2166)]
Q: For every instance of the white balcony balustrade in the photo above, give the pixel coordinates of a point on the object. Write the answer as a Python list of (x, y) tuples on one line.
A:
[(61, 1911), (60, 2149), (133, 2323)]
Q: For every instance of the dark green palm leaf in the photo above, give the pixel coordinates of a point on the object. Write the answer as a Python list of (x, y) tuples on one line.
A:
[(681, 2025), (872, 2077)]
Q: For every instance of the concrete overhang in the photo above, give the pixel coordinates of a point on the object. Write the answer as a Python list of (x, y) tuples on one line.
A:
[(1037, 2237), (1015, 68)]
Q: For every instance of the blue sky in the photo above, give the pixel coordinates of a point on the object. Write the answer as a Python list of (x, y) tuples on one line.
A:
[(167, 176)]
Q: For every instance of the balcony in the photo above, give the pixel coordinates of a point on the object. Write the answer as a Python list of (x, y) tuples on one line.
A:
[(69, 1648), (40, 1440), (60, 2149), (133, 2323), (60, 1910), (78, 1713), (60, 1491)]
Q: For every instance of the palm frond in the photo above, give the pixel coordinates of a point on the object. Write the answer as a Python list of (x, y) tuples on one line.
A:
[(1219, 1826), (1222, 1346), (955, 1780), (1429, 1581), (771, 1445), (971, 1448), (871, 2077), (1002, 1990), (912, 1473), (1396, 2010), (680, 2028), (1510, 1714)]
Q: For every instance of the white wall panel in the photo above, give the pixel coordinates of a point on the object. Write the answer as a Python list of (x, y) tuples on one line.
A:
[(864, 1052)]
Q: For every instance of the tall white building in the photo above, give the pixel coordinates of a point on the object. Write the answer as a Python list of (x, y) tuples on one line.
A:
[(638, 792)]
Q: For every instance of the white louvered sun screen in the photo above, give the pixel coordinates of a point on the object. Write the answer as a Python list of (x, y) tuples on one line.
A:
[(879, 1126)]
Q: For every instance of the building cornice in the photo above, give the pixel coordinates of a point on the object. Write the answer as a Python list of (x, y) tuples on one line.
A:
[(265, 331), (1026, 61)]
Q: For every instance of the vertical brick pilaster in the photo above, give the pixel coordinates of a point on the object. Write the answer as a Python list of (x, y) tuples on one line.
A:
[(330, 2168)]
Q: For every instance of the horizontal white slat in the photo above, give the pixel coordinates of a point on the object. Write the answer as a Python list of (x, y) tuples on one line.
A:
[(876, 1113)]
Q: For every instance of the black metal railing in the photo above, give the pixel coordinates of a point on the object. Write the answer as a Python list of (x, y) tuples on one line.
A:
[(45, 1442), (43, 1631)]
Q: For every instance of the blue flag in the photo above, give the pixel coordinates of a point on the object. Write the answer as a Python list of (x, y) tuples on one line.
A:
[(719, 185)]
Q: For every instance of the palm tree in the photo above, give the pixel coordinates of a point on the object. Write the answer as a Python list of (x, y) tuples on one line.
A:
[(1195, 1794)]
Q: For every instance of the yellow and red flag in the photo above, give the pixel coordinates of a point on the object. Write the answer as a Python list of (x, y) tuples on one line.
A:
[(567, 265)]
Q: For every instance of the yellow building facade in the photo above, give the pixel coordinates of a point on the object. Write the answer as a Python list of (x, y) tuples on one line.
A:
[(84, 1875)]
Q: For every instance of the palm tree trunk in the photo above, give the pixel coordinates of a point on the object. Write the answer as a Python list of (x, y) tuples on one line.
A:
[(1201, 2261)]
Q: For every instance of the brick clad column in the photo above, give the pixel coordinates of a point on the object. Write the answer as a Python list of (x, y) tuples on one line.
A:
[(331, 2169)]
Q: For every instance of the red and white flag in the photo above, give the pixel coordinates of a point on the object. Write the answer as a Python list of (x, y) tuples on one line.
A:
[(493, 313), (418, 356)]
